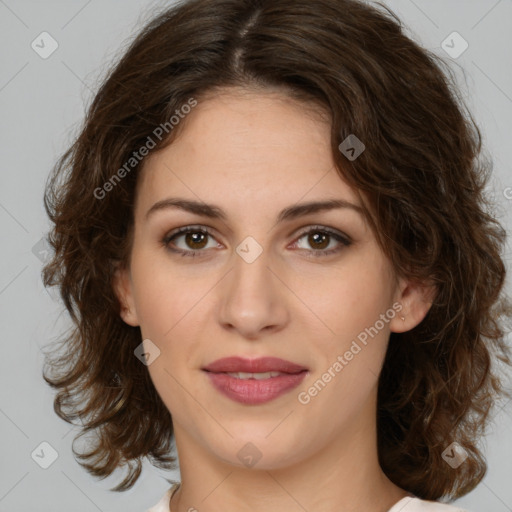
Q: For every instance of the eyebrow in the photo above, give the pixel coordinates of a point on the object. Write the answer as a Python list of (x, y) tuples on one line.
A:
[(215, 212)]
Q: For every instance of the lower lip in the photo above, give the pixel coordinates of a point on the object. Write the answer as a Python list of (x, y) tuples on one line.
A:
[(252, 391)]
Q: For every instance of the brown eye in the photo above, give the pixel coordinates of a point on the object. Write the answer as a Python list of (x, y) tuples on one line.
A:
[(189, 241), (318, 240), (323, 241), (196, 240)]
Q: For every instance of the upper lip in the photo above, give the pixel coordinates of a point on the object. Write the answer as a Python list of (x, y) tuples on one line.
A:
[(260, 365)]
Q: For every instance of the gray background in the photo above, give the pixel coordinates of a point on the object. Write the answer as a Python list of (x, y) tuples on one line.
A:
[(42, 102)]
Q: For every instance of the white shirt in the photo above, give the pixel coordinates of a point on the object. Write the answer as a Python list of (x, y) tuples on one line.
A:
[(163, 504), (407, 504)]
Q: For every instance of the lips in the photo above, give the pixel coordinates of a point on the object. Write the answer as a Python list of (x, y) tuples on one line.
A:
[(261, 365), (235, 378)]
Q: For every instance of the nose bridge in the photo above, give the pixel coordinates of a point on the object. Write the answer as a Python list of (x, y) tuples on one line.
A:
[(251, 276), (250, 301)]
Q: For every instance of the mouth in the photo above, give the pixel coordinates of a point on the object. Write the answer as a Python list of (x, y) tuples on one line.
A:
[(256, 376), (254, 381), (260, 365)]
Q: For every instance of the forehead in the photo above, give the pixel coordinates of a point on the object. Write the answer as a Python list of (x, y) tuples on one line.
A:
[(250, 148)]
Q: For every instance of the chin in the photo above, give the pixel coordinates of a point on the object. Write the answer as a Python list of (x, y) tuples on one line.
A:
[(258, 452)]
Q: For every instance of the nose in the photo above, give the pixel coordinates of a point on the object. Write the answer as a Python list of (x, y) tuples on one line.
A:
[(253, 299)]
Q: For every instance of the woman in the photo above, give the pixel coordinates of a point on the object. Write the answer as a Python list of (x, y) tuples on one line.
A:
[(271, 235)]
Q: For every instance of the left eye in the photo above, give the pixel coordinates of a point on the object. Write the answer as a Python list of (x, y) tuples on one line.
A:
[(321, 239)]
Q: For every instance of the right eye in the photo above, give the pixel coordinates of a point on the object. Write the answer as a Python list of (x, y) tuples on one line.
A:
[(193, 239)]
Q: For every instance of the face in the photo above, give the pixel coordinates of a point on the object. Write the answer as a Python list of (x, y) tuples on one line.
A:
[(310, 286)]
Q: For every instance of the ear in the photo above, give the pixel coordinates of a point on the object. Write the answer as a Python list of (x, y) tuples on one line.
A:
[(123, 288), (415, 299)]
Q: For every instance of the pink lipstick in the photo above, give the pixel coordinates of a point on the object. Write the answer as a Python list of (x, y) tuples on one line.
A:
[(254, 381)]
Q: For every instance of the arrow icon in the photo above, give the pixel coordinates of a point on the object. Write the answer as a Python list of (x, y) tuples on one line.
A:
[(455, 455), (352, 147), (249, 455), (454, 45), (249, 253), (144, 355), (44, 455), (44, 45)]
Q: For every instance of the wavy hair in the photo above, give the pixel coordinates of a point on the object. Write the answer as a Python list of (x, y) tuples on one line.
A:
[(421, 175)]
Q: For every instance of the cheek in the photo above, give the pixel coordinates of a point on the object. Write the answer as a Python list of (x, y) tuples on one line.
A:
[(164, 296), (349, 298), (349, 363)]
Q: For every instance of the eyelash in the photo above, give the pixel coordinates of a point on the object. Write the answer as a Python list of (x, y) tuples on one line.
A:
[(343, 240)]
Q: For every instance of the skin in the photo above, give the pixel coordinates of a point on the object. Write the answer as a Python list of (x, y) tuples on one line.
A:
[(254, 153)]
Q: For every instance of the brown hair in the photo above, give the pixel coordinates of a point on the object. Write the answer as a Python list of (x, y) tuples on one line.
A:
[(421, 176)]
